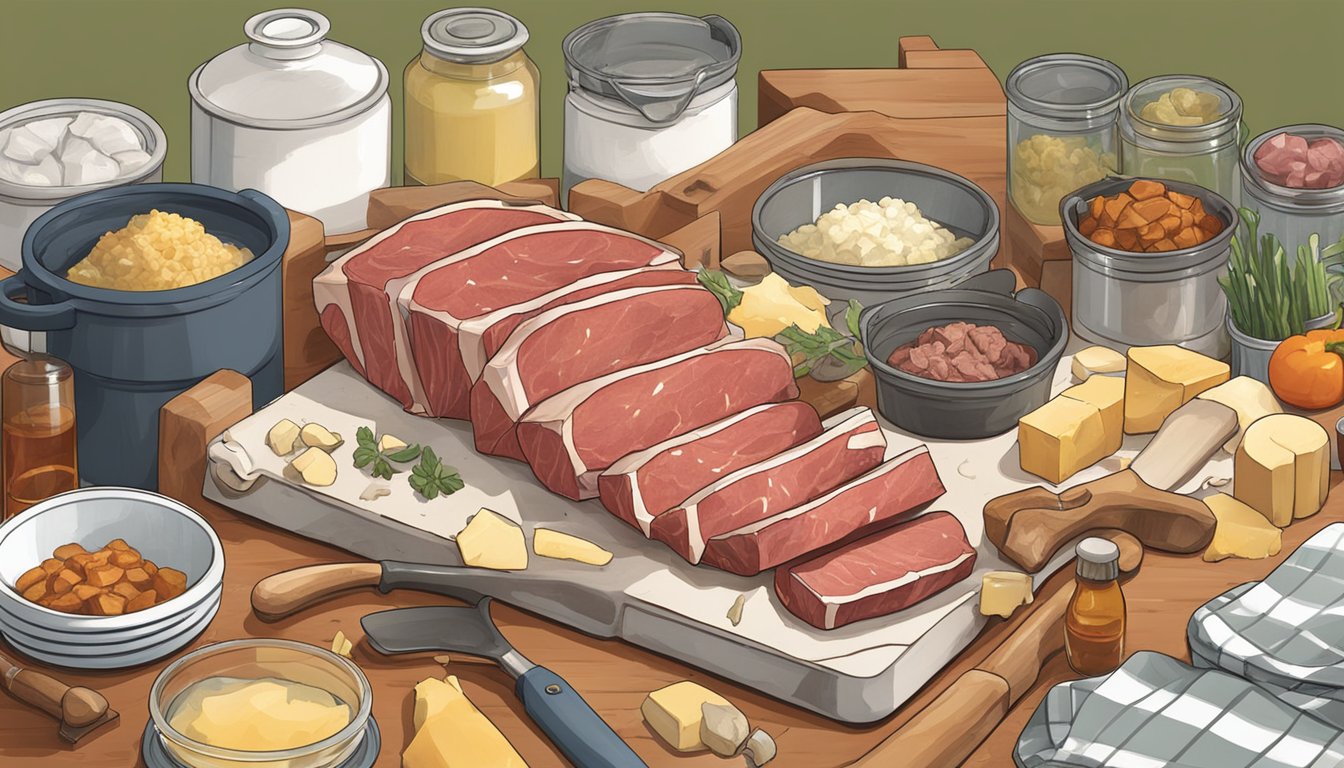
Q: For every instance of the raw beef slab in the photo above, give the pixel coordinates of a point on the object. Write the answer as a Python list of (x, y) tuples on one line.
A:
[(577, 342), (901, 486), (851, 444), (571, 437), (645, 484), (481, 337), (506, 271), (886, 572), (351, 294)]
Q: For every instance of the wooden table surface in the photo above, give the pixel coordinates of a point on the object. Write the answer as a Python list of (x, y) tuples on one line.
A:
[(612, 675)]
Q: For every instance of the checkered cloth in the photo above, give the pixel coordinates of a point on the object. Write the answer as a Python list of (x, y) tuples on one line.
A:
[(1285, 633), (1155, 712)]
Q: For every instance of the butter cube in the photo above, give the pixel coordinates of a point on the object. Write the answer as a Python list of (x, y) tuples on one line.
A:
[(1097, 360), (1001, 592), (491, 541), (1282, 467), (1249, 398), (562, 546), (1158, 380), (674, 713), (451, 733), (1241, 532), (1080, 427), (282, 437)]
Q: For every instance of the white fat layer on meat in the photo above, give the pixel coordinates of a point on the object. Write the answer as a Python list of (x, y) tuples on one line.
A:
[(852, 419), (863, 440), (833, 602), (471, 331), (332, 285), (501, 373), (404, 288), (890, 465), (630, 464)]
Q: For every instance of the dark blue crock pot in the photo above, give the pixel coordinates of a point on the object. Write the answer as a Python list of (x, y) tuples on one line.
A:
[(133, 351)]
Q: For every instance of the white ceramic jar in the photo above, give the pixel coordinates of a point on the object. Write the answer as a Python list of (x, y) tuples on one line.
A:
[(301, 118), (650, 95)]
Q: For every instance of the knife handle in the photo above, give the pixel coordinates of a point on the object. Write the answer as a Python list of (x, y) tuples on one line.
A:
[(277, 596), (572, 726)]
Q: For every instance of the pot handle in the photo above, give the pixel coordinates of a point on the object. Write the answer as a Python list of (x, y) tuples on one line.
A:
[(32, 317), (994, 281)]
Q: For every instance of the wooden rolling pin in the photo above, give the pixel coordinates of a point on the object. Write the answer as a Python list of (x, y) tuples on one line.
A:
[(80, 710), (949, 728)]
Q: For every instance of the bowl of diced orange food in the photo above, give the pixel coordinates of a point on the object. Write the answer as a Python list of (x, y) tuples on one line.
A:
[(105, 578)]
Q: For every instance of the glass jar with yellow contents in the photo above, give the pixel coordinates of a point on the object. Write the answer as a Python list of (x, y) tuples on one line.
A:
[(471, 107)]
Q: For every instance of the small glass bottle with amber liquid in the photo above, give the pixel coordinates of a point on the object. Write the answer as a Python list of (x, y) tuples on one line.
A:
[(37, 432), (1094, 626)]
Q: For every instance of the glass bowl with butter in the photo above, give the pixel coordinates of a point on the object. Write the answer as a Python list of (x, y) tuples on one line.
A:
[(261, 703)]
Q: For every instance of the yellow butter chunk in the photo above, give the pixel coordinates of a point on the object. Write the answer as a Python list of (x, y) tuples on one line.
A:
[(1249, 398), (1158, 380), (491, 541), (1282, 467), (1002, 592), (772, 305), (1096, 360), (1241, 532), (451, 733), (674, 713), (1080, 427), (341, 645), (265, 714), (157, 251), (562, 546)]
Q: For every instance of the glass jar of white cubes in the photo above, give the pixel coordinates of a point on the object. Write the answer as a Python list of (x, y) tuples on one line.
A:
[(1062, 112), (55, 149)]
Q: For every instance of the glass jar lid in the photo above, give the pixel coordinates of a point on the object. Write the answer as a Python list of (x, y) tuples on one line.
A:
[(289, 76), (473, 35), (654, 62), (1066, 85), (1227, 112), (1321, 199)]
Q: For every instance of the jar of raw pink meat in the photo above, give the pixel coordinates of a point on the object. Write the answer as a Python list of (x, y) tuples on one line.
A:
[(1294, 177)]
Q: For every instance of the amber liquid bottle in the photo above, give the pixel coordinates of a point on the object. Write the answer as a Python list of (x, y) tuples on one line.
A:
[(37, 432), (1094, 626)]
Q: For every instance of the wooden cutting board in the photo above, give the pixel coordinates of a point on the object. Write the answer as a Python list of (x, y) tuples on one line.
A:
[(940, 108)]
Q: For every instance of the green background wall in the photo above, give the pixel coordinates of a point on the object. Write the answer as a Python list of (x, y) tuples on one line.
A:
[(1282, 56)]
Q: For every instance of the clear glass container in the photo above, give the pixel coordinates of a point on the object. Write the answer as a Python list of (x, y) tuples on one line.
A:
[(39, 440), (1289, 213), (1208, 154), (471, 101), (262, 659), (1062, 114)]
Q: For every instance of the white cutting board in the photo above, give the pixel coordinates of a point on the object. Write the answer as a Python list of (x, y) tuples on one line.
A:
[(858, 673)]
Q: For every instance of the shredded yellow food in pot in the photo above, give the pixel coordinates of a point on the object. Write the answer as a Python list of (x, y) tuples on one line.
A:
[(157, 251)]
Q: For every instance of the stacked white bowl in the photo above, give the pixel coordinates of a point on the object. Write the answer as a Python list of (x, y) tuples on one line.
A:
[(163, 530)]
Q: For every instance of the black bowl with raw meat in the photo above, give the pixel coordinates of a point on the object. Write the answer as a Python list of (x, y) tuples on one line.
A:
[(965, 410)]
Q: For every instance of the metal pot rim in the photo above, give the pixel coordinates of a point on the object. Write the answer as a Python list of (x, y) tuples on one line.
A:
[(1328, 200)]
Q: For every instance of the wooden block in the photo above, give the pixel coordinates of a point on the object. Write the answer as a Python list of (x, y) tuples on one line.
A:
[(907, 93), (542, 190), (910, 43), (832, 397), (1030, 245), (698, 242), (731, 182), (1057, 280), (951, 59), (307, 348), (392, 204), (188, 423)]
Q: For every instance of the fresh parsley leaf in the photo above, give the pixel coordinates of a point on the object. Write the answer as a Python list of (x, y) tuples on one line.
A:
[(717, 283), (380, 464), (409, 453), (431, 478), (852, 312)]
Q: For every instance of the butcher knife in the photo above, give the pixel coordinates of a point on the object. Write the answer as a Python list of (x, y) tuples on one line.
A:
[(1030, 526), (572, 726)]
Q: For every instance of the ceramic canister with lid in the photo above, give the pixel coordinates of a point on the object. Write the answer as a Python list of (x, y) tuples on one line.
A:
[(470, 101), (303, 119), (650, 95)]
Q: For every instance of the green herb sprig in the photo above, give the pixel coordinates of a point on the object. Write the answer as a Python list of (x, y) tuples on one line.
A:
[(1268, 297), (367, 453), (814, 348), (717, 283), (431, 477)]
